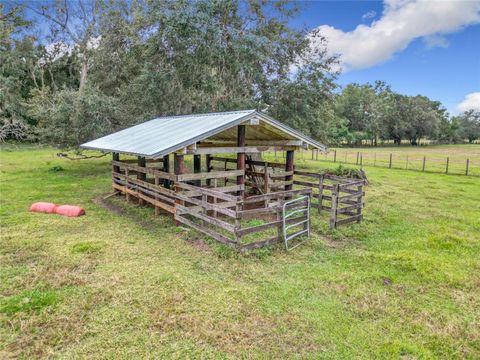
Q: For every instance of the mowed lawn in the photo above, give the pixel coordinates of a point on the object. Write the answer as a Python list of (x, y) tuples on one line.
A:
[(403, 284)]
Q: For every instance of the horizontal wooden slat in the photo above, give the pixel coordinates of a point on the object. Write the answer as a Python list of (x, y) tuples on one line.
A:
[(252, 229), (306, 173), (352, 183), (347, 209), (281, 174), (305, 183), (207, 191), (349, 220), (219, 207), (145, 184), (152, 193), (351, 196), (206, 231), (276, 195), (145, 170), (144, 197), (217, 222), (210, 175)]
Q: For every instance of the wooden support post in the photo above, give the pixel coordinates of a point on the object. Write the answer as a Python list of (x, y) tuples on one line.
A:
[(116, 157), (390, 163), (166, 168), (312, 154), (316, 155), (197, 167), (179, 168), (320, 193), (423, 165), (141, 176), (361, 160), (157, 182), (446, 167), (466, 167), (333, 210), (116, 169), (241, 157), (358, 155), (289, 167), (208, 163), (335, 155)]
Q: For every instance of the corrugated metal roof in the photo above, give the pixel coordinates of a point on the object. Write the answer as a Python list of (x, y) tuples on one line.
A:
[(161, 136)]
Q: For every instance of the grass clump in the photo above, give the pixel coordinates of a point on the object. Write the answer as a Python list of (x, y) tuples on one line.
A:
[(87, 247), (28, 301)]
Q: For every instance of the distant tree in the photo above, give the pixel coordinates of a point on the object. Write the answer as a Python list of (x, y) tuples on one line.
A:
[(469, 125)]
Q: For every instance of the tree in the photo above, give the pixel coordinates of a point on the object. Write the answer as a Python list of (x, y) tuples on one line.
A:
[(469, 125)]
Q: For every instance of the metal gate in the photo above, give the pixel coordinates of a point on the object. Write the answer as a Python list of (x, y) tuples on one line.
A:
[(291, 208)]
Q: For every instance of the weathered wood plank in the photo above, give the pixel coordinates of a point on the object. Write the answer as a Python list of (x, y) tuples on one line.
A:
[(206, 231), (145, 170), (347, 209), (349, 220), (180, 209), (207, 191), (259, 244), (219, 207), (144, 197), (210, 175)]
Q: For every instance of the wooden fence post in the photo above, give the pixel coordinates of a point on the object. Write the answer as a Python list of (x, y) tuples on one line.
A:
[(358, 154), (312, 154), (446, 168), (335, 155), (320, 193), (361, 160), (423, 166), (466, 167), (390, 163), (333, 210)]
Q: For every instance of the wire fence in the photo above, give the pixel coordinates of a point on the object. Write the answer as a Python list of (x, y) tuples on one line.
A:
[(468, 166)]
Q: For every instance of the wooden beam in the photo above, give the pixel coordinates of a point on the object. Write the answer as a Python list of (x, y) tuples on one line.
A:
[(289, 166), (236, 149), (241, 131)]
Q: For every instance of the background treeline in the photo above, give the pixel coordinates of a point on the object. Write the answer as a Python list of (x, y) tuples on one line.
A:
[(73, 71)]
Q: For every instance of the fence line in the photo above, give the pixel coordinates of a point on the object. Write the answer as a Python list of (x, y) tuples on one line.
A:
[(421, 163)]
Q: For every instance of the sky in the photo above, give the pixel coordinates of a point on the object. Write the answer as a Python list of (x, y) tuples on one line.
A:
[(427, 47)]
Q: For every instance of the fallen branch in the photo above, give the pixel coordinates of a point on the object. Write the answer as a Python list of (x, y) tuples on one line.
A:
[(80, 156)]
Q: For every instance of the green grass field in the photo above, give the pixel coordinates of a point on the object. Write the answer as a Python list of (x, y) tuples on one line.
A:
[(403, 284)]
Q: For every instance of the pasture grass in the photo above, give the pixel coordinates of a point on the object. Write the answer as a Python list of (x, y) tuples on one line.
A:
[(403, 284)]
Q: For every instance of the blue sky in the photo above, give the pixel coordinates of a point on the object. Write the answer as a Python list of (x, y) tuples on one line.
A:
[(443, 65)]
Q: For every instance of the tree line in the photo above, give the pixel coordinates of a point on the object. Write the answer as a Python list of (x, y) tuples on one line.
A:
[(74, 71)]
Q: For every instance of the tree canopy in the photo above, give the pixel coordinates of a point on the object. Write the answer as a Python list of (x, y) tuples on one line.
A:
[(73, 71)]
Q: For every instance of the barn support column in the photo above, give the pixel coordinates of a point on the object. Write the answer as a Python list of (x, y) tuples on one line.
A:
[(179, 168), (116, 168), (141, 176), (166, 168), (197, 167), (208, 163), (289, 167), (241, 157)]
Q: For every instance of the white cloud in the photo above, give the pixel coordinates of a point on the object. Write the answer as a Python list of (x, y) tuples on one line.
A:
[(471, 102), (369, 15), (402, 21)]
